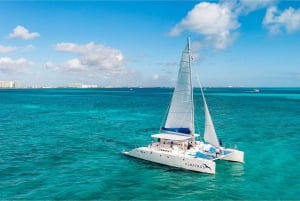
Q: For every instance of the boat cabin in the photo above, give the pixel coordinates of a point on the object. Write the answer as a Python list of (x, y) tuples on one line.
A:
[(171, 140)]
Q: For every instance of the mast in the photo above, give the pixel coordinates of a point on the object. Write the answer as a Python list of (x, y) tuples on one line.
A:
[(192, 91)]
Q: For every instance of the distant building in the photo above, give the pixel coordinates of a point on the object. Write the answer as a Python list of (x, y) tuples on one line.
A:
[(89, 86), (10, 84), (17, 84), (79, 85)]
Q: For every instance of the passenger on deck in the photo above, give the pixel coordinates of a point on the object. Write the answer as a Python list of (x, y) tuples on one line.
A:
[(220, 142), (217, 152), (189, 145), (172, 144)]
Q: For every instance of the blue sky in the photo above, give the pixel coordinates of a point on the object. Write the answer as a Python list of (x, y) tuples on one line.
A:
[(139, 43)]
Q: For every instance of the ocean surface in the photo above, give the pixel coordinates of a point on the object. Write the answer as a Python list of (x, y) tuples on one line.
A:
[(65, 144)]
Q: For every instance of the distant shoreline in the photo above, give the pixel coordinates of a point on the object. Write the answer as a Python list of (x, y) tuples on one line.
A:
[(256, 89)]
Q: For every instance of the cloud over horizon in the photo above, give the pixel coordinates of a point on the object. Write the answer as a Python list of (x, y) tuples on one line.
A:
[(92, 56), (23, 33), (247, 6), (6, 49), (104, 65), (216, 22), (277, 21), (11, 66)]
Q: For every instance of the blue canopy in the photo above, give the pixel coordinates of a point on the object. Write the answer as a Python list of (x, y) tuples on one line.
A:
[(178, 130)]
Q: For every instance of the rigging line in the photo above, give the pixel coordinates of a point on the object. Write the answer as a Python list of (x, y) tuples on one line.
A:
[(197, 127), (166, 114), (201, 90), (200, 85)]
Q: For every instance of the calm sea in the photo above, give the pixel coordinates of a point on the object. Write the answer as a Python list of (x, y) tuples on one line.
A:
[(65, 144)]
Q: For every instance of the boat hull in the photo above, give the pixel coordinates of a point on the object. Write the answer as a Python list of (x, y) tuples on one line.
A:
[(234, 156), (174, 160)]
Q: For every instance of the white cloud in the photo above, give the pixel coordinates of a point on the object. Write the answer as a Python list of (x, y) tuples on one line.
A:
[(9, 65), (23, 33), (155, 77), (93, 56), (74, 65), (216, 22), (6, 49), (50, 65), (94, 63), (275, 21), (69, 47), (28, 48), (247, 6)]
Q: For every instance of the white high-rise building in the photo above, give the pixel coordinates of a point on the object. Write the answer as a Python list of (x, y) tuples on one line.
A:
[(10, 84), (80, 85)]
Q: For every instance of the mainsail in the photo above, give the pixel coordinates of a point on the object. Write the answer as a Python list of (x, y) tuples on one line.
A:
[(180, 117)]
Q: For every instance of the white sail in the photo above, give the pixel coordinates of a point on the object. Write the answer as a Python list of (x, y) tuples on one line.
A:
[(210, 135), (180, 117)]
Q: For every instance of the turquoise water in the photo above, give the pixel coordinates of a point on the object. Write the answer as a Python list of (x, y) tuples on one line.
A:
[(65, 144)]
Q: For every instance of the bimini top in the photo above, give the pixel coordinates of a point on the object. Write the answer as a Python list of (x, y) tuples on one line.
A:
[(172, 136)]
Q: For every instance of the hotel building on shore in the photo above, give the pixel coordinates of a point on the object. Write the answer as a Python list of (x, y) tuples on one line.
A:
[(80, 85), (10, 84)]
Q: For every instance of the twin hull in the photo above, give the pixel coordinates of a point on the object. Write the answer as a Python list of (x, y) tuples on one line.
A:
[(234, 156), (175, 160)]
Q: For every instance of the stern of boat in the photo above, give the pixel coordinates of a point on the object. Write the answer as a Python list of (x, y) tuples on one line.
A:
[(234, 155)]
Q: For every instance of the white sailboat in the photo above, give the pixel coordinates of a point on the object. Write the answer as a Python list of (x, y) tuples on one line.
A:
[(176, 144)]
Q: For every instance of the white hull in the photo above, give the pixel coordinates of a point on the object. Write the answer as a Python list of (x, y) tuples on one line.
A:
[(174, 159), (234, 156)]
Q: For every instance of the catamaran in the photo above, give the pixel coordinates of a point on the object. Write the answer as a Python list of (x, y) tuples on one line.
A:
[(176, 144)]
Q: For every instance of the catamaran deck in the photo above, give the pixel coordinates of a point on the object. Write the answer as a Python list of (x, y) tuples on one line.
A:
[(194, 152)]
